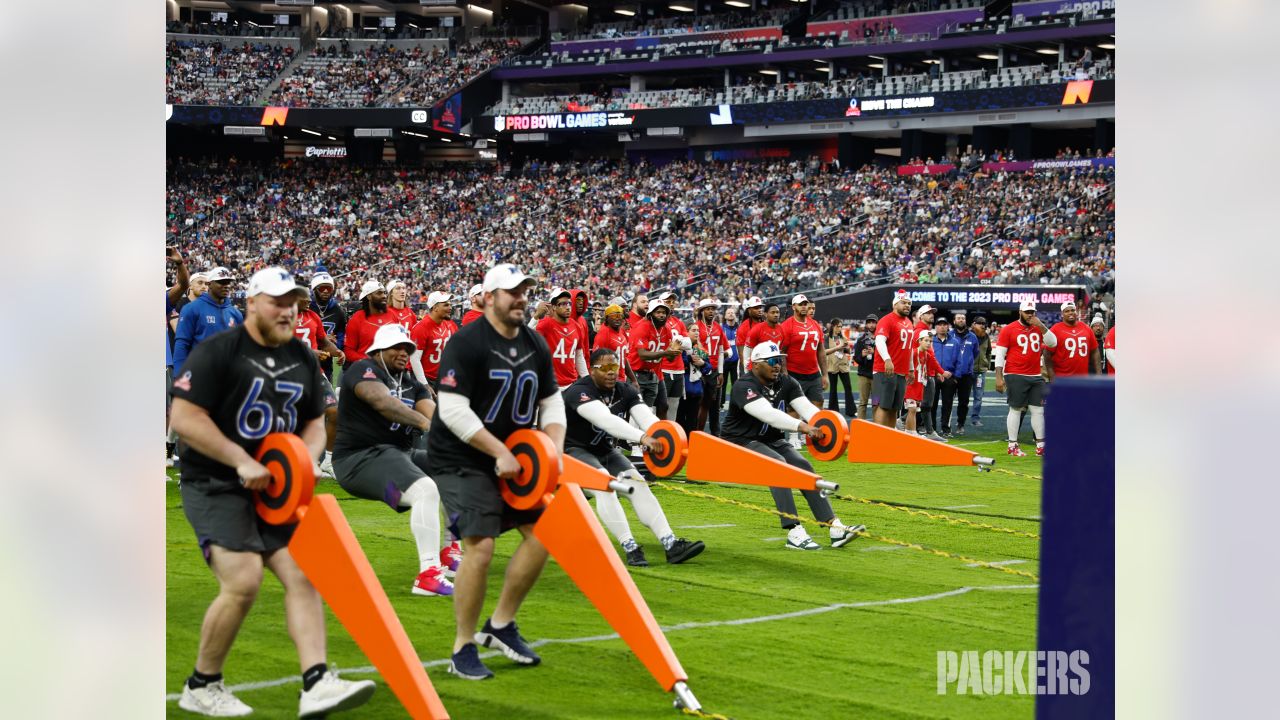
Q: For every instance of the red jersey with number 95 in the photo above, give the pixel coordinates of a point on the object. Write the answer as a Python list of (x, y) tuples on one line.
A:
[(899, 335), (1075, 344), (1024, 343)]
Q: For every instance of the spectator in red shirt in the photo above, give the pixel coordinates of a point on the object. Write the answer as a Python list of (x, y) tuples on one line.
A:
[(364, 323), (1110, 347), (431, 335), (476, 296)]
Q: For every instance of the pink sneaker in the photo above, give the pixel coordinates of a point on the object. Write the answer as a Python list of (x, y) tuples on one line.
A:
[(432, 582), (1016, 451), (451, 558), (1040, 450)]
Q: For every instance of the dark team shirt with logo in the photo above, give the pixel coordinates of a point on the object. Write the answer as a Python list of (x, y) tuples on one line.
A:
[(580, 433), (740, 426), (502, 378), (249, 391), (360, 426)]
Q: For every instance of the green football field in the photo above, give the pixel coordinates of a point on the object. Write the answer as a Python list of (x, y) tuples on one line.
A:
[(762, 631)]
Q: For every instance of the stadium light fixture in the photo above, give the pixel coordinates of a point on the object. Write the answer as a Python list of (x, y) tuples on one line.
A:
[(876, 66), (875, 57), (625, 11), (931, 61), (1107, 46), (310, 132), (331, 137), (768, 71), (737, 3), (681, 8), (1047, 51), (988, 56)]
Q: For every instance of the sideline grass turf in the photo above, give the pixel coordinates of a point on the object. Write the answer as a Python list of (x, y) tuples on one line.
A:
[(878, 660)]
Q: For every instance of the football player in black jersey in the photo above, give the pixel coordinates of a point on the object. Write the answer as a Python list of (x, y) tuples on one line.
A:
[(495, 377), (383, 407), (599, 409), (235, 389), (757, 419)]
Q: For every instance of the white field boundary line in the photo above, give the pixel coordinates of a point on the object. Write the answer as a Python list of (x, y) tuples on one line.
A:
[(296, 679)]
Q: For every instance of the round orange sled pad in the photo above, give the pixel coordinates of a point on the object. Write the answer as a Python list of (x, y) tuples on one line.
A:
[(539, 469), (835, 436), (673, 449), (292, 479)]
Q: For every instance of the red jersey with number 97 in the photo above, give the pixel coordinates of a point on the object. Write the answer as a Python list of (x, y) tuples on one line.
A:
[(899, 334), (1075, 344), (1024, 343)]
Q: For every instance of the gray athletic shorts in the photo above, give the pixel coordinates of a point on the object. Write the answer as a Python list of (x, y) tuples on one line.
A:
[(475, 506), (381, 472), (1024, 390), (221, 513), (614, 463), (812, 388), (653, 388), (888, 392), (780, 450), (675, 385)]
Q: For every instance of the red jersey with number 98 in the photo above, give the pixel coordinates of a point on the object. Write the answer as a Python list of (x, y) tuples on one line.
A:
[(899, 334), (1075, 344), (1024, 343)]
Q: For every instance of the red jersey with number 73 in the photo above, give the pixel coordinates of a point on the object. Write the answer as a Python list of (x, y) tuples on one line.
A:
[(1024, 343), (565, 340), (899, 335), (802, 342)]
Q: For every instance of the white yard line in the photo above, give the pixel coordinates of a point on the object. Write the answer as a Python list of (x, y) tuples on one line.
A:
[(961, 507), (703, 527)]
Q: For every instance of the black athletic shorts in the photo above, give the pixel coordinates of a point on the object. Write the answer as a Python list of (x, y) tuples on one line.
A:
[(381, 472), (1024, 390), (475, 506), (812, 387), (675, 385), (614, 463), (221, 513), (888, 392)]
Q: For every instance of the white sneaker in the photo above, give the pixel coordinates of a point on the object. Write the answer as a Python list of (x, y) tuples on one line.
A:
[(798, 539), (332, 694), (900, 424), (214, 700)]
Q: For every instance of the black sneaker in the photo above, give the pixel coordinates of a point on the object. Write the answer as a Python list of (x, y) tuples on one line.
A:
[(507, 640), (682, 550), (636, 558), (466, 664)]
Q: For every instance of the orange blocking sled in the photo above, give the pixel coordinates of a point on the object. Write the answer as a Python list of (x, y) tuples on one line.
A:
[(835, 436), (872, 443), (714, 460), (328, 553)]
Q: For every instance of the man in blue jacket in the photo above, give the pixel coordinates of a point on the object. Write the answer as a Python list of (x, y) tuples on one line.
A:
[(204, 317), (946, 349), (965, 376)]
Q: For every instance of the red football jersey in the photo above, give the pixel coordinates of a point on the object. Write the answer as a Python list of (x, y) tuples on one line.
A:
[(1024, 343), (1075, 344), (802, 342), (763, 333), (405, 316), (565, 341), (675, 364), (1109, 343), (431, 337), (645, 335), (898, 334), (619, 342), (714, 339), (471, 316), (310, 328), (360, 331)]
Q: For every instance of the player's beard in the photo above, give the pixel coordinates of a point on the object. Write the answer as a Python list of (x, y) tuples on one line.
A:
[(276, 332), (378, 307), (513, 314)]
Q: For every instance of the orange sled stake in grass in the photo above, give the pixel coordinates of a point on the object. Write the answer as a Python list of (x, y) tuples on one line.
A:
[(327, 551), (872, 443)]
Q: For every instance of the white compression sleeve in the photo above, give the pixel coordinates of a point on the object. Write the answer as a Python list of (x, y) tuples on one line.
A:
[(423, 500), (456, 414), (1037, 422), (1050, 340), (1012, 423), (761, 410), (415, 361), (580, 362), (804, 408), (1111, 356), (646, 506), (596, 413), (1000, 354), (882, 347), (642, 416), (612, 516), (551, 411)]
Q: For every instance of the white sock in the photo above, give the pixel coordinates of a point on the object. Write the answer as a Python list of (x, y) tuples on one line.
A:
[(423, 500), (1037, 423), (1013, 422), (646, 506), (612, 516)]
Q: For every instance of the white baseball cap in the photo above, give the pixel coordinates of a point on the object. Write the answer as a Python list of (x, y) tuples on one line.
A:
[(274, 281), (1026, 305), (395, 284), (505, 276), (764, 351), (389, 336), (219, 274), (438, 297), (370, 287), (923, 309), (1098, 320), (925, 334), (476, 290), (901, 297), (659, 303), (200, 276), (752, 302), (319, 279), (557, 292), (1068, 304), (799, 299), (667, 295), (708, 302)]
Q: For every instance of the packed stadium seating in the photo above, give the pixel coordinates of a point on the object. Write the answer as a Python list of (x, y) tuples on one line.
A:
[(728, 229), (638, 27), (217, 72)]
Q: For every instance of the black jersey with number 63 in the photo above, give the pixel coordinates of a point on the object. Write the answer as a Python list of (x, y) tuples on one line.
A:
[(503, 380), (739, 425), (249, 391)]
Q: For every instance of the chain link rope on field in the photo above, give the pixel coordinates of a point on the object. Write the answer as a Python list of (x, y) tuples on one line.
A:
[(871, 536), (700, 714), (938, 516)]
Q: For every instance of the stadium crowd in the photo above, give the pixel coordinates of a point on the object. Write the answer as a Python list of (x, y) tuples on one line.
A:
[(218, 73), (724, 229)]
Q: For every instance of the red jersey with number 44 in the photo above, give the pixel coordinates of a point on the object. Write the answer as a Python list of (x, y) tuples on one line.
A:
[(565, 340), (899, 335), (1075, 344), (1024, 343), (801, 342), (616, 341), (431, 337), (310, 328)]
